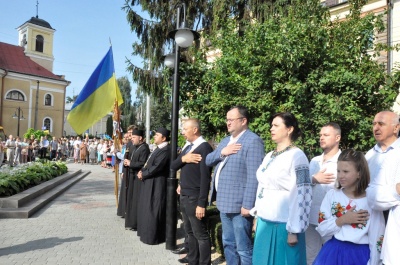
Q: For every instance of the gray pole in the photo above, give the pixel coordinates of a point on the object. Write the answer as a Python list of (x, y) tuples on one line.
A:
[(148, 119), (36, 106), (172, 181), (18, 117)]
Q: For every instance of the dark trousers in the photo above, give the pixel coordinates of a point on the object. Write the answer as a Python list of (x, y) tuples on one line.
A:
[(43, 152), (53, 154), (196, 231)]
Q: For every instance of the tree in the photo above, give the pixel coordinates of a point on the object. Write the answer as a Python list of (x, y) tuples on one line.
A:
[(109, 126), (160, 114), (127, 109), (204, 15), (71, 100), (299, 61)]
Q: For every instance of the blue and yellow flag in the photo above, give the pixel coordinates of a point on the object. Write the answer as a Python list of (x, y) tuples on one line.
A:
[(97, 97)]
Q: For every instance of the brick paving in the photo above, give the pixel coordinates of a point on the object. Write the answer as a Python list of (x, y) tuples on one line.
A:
[(78, 227)]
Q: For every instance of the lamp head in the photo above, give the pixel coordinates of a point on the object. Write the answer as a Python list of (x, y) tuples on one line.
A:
[(169, 60), (184, 37)]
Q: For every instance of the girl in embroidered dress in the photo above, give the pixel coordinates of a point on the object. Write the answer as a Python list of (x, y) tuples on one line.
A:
[(356, 231), (283, 198)]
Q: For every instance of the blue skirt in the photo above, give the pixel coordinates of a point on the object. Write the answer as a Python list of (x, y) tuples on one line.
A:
[(336, 252), (271, 247)]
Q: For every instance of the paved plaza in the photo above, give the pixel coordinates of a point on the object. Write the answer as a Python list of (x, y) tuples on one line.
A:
[(78, 227)]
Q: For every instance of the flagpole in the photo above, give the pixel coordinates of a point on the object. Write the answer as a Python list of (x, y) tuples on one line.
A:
[(117, 144)]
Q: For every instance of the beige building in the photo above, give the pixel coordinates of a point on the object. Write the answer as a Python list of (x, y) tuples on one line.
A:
[(391, 36), (31, 95), (98, 129)]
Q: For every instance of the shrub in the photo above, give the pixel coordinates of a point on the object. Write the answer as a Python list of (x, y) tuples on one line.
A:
[(18, 179)]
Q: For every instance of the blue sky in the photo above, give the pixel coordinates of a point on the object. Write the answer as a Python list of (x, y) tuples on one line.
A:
[(81, 40)]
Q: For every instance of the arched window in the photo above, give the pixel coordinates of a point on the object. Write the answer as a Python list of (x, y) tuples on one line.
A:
[(47, 124), (47, 100), (39, 43), (15, 95)]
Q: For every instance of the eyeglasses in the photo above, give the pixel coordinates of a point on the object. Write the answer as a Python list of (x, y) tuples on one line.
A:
[(232, 120)]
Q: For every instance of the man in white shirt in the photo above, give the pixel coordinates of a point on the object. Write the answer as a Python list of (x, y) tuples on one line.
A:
[(323, 170), (383, 193), (10, 144)]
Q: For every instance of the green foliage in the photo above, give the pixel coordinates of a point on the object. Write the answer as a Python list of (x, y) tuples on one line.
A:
[(37, 134), (18, 179), (109, 126), (214, 227), (299, 61), (127, 111)]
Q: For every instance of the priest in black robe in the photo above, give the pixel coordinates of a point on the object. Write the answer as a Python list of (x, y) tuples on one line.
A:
[(136, 160), (152, 200), (121, 210), (120, 155)]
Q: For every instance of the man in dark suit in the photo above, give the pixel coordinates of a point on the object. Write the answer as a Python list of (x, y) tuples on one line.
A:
[(237, 159), (152, 198), (193, 189)]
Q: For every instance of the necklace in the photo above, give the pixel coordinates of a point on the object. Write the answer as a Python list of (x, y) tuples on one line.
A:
[(275, 153)]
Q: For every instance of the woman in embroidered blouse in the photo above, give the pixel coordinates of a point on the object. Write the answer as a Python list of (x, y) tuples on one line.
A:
[(356, 230), (283, 198)]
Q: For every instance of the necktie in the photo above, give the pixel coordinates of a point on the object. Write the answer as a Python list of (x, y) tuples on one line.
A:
[(187, 150)]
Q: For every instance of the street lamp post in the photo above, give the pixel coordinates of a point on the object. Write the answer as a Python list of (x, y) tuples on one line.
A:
[(19, 117), (183, 37)]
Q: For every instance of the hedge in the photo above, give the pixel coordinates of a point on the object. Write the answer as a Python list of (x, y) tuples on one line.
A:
[(17, 179)]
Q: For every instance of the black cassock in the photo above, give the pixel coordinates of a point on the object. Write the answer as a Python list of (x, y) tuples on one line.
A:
[(138, 157), (124, 186), (152, 199)]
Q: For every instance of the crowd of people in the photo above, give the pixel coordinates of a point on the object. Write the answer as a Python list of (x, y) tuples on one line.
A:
[(342, 207), (344, 195), (21, 151), (83, 151), (339, 208)]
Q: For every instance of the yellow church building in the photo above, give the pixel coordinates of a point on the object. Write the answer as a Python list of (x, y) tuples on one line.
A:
[(31, 95)]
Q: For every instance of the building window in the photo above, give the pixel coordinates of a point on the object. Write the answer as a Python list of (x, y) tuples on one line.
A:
[(39, 43), (47, 100), (15, 95), (47, 124)]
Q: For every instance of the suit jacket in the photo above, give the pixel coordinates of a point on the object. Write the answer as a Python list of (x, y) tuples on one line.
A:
[(237, 183)]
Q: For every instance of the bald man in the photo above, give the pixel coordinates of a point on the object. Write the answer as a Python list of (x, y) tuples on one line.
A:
[(194, 186), (383, 193)]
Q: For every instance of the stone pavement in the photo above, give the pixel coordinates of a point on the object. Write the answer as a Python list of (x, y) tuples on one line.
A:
[(78, 227)]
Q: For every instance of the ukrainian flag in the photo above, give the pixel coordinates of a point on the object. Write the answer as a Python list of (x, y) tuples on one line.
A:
[(97, 98)]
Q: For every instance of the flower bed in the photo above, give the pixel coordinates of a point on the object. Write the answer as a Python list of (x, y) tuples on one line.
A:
[(17, 179)]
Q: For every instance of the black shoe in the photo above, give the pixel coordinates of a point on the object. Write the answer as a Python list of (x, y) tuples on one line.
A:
[(183, 260), (179, 251)]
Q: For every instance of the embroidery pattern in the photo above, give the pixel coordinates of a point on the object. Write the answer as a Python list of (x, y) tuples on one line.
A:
[(338, 210), (260, 195), (274, 155), (379, 244), (321, 217)]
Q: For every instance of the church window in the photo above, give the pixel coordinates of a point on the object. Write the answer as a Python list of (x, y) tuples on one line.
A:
[(39, 43), (47, 124), (47, 100), (15, 95)]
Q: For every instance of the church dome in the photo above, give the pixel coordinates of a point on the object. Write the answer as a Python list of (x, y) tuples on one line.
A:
[(39, 22)]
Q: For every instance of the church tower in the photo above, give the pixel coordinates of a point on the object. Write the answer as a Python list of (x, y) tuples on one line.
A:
[(36, 36)]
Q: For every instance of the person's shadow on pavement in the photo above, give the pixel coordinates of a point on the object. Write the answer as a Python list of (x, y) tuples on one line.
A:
[(37, 244)]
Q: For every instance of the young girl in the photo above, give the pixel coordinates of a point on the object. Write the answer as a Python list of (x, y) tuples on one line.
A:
[(356, 231)]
